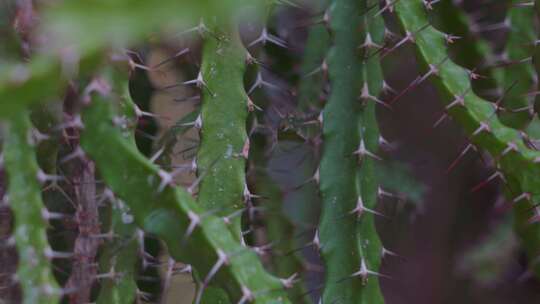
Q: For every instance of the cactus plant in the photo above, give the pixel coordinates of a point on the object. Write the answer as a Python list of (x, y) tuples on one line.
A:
[(30, 233), (236, 228)]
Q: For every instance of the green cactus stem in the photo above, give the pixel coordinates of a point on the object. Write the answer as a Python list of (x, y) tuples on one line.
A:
[(371, 250), (338, 167), (517, 164), (224, 145), (30, 234)]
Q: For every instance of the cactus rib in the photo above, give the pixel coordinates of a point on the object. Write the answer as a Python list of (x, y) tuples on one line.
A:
[(517, 164), (371, 250), (24, 190), (341, 114), (191, 234), (224, 144), (119, 255)]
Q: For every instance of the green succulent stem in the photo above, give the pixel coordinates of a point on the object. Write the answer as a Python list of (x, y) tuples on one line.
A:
[(371, 250), (339, 163), (34, 268), (224, 145), (517, 165), (120, 253)]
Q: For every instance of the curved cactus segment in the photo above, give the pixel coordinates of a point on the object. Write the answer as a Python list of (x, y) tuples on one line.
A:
[(224, 143), (369, 243), (24, 190), (517, 164), (337, 229), (518, 74), (191, 234)]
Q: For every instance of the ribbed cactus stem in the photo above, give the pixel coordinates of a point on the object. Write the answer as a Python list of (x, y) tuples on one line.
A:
[(224, 146), (339, 163), (30, 234), (120, 252), (371, 250)]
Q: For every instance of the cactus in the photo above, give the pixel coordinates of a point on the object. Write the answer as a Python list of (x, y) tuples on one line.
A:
[(224, 144), (119, 255), (234, 253), (371, 250), (517, 164), (341, 135), (156, 206), (30, 234)]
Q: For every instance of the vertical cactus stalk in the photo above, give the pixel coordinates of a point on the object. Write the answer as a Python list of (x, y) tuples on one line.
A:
[(371, 250), (518, 76), (30, 233), (192, 234), (517, 165), (224, 144), (119, 255), (338, 167)]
